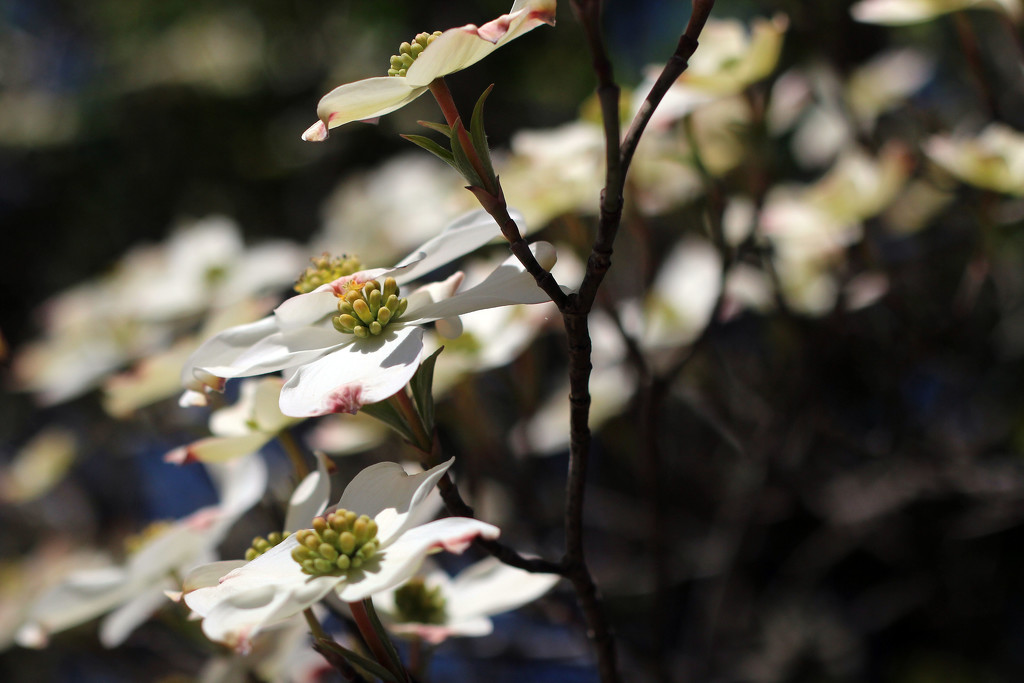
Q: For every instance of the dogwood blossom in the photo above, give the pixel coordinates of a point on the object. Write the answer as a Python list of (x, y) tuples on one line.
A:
[(993, 160), (426, 58), (899, 12), (435, 606), (730, 59), (134, 590), (338, 363), (461, 236), (237, 605)]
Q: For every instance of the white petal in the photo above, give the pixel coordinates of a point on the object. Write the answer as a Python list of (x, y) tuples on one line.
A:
[(83, 596), (390, 496), (465, 234), (457, 48), (363, 371), (366, 99), (491, 587), (431, 293), (207, 575), (120, 623), (236, 419), (508, 284), (310, 497), (400, 560), (281, 350), (240, 483), (223, 348), (266, 409), (217, 449), (269, 589)]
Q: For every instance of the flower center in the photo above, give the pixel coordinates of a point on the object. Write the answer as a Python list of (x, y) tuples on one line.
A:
[(261, 545), (326, 269), (338, 542), (367, 308), (408, 52), (418, 604)]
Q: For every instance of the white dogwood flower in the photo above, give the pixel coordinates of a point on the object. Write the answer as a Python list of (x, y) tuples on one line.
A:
[(419, 62), (237, 605), (131, 592), (435, 606), (357, 340)]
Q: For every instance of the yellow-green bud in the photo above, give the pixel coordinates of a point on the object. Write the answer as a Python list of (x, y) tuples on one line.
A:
[(365, 309), (416, 603), (326, 269), (408, 52), (338, 542)]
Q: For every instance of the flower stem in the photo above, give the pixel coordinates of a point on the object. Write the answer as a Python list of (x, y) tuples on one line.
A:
[(295, 454), (403, 404), (323, 643), (439, 89), (373, 633), (314, 624)]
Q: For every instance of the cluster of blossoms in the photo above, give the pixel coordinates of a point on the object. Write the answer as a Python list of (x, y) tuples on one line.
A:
[(200, 313)]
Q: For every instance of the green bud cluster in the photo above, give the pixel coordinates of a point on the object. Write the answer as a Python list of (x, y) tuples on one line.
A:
[(338, 542), (408, 52), (367, 310), (261, 545), (415, 603), (326, 269)]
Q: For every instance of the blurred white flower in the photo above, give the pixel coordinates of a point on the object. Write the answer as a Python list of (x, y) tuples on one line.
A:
[(39, 466), (828, 115), (154, 293), (133, 591), (434, 606), (362, 214), (553, 171), (898, 12), (612, 384), (240, 429), (682, 299), (993, 160), (730, 59), (810, 227)]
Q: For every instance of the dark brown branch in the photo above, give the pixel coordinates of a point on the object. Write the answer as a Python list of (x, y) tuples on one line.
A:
[(458, 507), (611, 211), (498, 209)]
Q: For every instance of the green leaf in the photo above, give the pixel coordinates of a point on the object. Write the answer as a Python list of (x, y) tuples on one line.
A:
[(441, 128), (434, 148), (358, 660), (382, 635), (464, 165), (386, 413), (477, 134), (422, 390)]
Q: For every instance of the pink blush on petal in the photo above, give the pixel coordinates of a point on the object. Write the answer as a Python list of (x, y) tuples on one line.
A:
[(345, 399), (459, 544)]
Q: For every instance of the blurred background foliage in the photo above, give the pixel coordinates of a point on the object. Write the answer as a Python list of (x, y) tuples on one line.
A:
[(829, 498)]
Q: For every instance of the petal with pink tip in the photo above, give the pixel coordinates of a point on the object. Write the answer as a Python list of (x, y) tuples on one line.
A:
[(457, 48), (361, 100)]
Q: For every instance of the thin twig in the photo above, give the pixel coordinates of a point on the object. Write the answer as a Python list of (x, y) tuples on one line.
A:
[(458, 507)]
